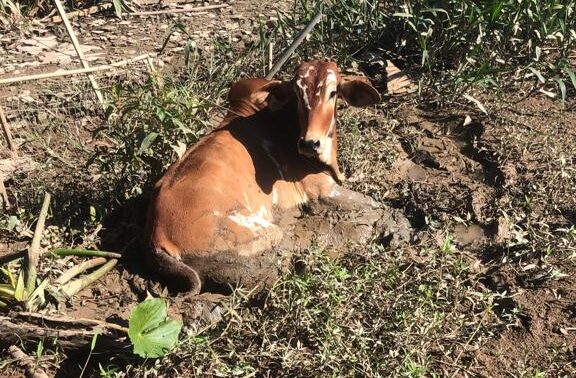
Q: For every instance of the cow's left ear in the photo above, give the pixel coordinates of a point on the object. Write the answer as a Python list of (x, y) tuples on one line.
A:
[(357, 91), (276, 93)]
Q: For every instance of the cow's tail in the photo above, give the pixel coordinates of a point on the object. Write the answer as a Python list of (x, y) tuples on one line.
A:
[(174, 272)]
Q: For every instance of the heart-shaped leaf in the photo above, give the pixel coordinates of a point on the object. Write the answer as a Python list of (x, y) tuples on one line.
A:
[(150, 330)]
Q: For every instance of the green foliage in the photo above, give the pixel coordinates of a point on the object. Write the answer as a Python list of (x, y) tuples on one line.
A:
[(153, 122), (453, 42), (363, 315), (13, 288), (150, 123), (150, 330)]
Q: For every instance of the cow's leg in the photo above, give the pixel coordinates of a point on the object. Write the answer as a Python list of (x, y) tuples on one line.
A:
[(360, 218), (342, 198)]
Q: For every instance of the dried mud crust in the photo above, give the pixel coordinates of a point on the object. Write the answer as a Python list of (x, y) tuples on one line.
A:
[(320, 226), (501, 175)]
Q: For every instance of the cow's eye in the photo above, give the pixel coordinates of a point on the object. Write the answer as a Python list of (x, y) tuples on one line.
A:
[(333, 94)]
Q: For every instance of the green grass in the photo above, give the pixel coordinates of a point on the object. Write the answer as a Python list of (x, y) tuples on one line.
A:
[(373, 313), (451, 44)]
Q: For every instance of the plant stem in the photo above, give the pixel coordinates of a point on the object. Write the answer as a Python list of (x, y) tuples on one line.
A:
[(85, 252), (34, 250), (71, 288), (77, 269)]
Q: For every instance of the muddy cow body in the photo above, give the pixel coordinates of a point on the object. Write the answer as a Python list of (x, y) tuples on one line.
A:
[(212, 215)]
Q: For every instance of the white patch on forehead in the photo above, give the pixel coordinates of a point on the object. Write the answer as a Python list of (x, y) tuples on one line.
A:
[(330, 84), (216, 213), (319, 89), (253, 222), (330, 77), (303, 88), (308, 72), (274, 196)]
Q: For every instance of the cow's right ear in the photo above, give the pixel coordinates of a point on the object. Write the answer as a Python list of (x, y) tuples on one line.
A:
[(277, 93)]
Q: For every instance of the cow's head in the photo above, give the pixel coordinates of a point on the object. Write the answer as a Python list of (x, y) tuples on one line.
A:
[(317, 85)]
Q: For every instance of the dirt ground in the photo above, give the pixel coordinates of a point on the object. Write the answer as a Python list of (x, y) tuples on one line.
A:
[(501, 184), (482, 172)]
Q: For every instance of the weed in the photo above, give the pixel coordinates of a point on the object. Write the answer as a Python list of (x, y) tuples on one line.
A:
[(452, 44)]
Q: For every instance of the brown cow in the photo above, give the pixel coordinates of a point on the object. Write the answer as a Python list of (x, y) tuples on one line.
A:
[(212, 214)]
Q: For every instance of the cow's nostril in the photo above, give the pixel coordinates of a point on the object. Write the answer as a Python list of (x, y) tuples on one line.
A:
[(309, 145), (315, 144)]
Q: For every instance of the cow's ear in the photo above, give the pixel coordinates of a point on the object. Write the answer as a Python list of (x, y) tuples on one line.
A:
[(276, 92), (357, 91)]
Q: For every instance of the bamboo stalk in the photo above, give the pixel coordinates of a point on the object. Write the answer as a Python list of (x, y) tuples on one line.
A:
[(34, 250), (73, 287), (198, 10), (8, 133), (120, 63), (80, 321), (80, 268), (85, 252), (79, 51), (290, 50), (83, 12)]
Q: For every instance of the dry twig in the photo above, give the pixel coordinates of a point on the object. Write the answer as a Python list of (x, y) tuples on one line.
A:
[(79, 51), (73, 287), (85, 252), (196, 10), (80, 268), (120, 63), (4, 193), (83, 12), (8, 133), (290, 50)]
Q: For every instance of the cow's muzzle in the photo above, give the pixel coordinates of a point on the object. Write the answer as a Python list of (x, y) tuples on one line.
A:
[(309, 147)]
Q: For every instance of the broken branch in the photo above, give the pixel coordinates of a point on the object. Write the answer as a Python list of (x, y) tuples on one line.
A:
[(196, 10), (79, 71), (79, 51), (85, 252), (290, 50), (68, 320), (8, 133), (22, 359), (73, 287), (80, 268), (70, 336)]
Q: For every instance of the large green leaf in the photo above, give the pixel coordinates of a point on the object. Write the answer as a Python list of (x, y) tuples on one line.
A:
[(150, 330)]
